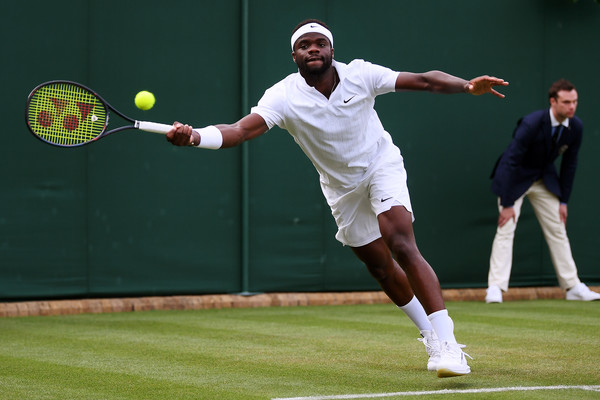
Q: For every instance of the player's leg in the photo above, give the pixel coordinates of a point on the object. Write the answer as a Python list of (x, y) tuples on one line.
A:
[(502, 255), (392, 279), (358, 229), (397, 232)]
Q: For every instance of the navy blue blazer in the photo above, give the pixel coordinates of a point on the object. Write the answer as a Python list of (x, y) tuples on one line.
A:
[(530, 156)]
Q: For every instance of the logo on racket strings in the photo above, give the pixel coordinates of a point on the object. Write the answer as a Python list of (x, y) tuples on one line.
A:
[(70, 121)]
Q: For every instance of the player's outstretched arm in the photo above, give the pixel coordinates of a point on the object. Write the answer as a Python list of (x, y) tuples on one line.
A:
[(223, 135), (441, 82), (247, 128)]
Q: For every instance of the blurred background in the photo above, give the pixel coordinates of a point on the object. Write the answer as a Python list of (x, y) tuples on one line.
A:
[(132, 215)]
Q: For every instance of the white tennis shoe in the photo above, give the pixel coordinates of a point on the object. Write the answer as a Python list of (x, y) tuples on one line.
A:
[(493, 294), (432, 345), (582, 293), (452, 361)]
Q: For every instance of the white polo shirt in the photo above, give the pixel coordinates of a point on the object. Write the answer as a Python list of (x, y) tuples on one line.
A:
[(342, 135)]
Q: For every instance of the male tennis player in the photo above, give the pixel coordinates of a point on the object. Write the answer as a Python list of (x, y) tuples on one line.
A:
[(327, 106)]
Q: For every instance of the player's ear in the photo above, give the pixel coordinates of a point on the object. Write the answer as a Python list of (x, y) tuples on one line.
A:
[(294, 56)]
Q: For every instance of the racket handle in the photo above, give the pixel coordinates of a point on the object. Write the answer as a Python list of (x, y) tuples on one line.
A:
[(153, 127)]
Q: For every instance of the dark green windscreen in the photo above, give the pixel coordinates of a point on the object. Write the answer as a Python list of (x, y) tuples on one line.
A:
[(132, 215)]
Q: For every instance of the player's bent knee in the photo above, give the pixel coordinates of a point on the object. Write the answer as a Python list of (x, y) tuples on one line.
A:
[(404, 250), (379, 271)]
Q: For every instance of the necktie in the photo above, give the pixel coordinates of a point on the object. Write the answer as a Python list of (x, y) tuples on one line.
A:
[(556, 132)]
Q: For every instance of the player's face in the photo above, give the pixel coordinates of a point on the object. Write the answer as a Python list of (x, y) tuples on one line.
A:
[(313, 54), (564, 105)]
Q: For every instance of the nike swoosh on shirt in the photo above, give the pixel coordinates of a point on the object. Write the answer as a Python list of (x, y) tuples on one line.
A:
[(346, 101), (384, 200)]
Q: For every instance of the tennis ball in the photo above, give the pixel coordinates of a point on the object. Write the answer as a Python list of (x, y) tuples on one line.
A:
[(144, 100)]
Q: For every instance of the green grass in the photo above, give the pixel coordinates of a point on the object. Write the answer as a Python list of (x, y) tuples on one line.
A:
[(265, 353)]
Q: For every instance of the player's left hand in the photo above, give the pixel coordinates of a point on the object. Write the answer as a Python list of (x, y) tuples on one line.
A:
[(485, 84)]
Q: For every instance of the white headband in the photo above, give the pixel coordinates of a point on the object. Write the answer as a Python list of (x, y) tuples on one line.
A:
[(312, 27)]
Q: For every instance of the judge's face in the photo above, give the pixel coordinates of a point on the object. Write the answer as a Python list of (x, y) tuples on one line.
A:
[(564, 105)]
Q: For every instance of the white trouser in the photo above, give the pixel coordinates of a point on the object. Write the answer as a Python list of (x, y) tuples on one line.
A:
[(546, 206)]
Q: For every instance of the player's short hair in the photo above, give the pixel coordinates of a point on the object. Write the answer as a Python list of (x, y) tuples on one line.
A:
[(308, 21), (561, 84)]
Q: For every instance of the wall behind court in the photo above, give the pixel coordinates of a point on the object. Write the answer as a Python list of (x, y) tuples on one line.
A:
[(132, 215)]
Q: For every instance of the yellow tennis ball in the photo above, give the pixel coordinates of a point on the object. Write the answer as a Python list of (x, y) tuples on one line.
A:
[(144, 100)]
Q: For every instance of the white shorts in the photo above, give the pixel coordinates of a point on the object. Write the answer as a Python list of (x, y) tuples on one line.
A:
[(356, 210)]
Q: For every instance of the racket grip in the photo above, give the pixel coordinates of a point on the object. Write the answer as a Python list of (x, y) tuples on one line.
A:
[(153, 127)]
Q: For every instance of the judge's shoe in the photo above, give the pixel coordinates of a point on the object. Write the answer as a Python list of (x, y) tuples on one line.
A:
[(494, 294), (582, 293), (452, 361)]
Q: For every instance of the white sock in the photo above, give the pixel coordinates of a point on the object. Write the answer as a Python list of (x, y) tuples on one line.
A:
[(414, 310), (443, 326)]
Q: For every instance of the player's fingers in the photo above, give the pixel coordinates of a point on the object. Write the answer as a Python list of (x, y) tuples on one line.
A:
[(186, 136), (184, 129), (493, 81), (496, 93), (188, 133), (496, 80), (177, 135), (171, 134)]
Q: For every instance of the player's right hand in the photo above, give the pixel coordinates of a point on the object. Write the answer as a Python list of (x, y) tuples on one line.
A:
[(180, 134)]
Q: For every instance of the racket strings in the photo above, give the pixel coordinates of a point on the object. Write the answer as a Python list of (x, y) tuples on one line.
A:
[(66, 114)]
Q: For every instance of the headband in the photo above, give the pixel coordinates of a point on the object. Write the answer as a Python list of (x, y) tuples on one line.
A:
[(309, 28)]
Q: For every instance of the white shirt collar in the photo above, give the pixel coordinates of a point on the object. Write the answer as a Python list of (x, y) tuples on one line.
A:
[(555, 122)]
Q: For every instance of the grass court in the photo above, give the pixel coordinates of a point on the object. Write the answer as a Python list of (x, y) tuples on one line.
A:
[(541, 349)]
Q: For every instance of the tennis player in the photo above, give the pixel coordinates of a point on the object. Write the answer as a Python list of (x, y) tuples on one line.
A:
[(327, 106)]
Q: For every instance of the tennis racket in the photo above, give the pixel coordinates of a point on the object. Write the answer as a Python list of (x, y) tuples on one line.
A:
[(68, 114)]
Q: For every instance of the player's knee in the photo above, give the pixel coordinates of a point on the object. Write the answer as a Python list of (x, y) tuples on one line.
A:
[(403, 248), (379, 271)]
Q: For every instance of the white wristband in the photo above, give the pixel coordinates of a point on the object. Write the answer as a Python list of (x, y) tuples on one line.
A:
[(210, 137)]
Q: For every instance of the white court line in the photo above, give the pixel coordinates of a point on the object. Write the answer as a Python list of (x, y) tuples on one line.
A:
[(593, 388)]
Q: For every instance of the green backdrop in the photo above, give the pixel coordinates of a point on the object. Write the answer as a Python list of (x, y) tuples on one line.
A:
[(132, 215)]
